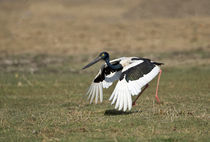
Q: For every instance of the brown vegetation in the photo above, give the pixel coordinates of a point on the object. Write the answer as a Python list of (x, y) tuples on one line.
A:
[(86, 27)]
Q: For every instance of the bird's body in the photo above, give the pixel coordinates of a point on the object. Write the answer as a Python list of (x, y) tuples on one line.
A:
[(132, 73)]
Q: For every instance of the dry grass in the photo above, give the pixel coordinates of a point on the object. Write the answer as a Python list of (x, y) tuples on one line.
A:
[(71, 28)]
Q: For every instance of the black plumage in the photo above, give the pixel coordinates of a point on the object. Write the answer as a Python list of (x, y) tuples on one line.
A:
[(133, 75), (138, 71), (106, 70)]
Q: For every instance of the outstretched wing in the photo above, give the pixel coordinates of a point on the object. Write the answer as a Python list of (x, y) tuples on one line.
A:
[(134, 76), (104, 79)]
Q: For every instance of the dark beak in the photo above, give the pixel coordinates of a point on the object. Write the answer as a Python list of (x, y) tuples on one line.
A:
[(91, 63)]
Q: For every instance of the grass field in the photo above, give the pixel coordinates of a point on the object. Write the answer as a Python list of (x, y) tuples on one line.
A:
[(44, 45), (49, 105)]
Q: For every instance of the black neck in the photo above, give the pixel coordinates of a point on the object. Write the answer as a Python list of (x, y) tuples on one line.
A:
[(114, 67)]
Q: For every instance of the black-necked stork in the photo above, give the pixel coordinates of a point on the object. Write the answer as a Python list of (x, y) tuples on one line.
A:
[(132, 73)]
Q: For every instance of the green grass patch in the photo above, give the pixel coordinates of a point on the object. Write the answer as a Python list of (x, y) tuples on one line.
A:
[(50, 106)]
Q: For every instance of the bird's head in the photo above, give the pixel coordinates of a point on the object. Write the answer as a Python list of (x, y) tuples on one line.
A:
[(102, 56)]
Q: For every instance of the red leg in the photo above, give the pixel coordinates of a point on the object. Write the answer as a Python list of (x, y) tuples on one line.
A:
[(134, 102), (156, 95)]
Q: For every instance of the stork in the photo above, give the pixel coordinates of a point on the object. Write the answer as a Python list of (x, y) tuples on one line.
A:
[(133, 75)]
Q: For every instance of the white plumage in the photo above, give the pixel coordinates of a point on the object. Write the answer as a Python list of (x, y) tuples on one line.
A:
[(132, 74)]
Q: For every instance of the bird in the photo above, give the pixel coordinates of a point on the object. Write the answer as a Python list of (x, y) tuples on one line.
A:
[(133, 75)]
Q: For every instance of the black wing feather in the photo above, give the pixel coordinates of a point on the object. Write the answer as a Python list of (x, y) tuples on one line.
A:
[(138, 71), (105, 70)]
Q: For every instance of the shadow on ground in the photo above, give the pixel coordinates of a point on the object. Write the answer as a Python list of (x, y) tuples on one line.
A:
[(117, 112)]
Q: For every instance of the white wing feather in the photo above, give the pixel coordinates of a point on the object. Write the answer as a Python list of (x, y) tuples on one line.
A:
[(121, 96), (124, 90), (135, 86), (96, 89), (109, 79)]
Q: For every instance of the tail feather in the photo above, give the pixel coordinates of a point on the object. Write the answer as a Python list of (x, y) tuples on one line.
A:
[(157, 63)]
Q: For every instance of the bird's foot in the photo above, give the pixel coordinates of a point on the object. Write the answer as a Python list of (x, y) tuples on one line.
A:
[(158, 101)]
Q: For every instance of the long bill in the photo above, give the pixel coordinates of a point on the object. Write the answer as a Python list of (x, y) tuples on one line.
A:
[(91, 63)]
